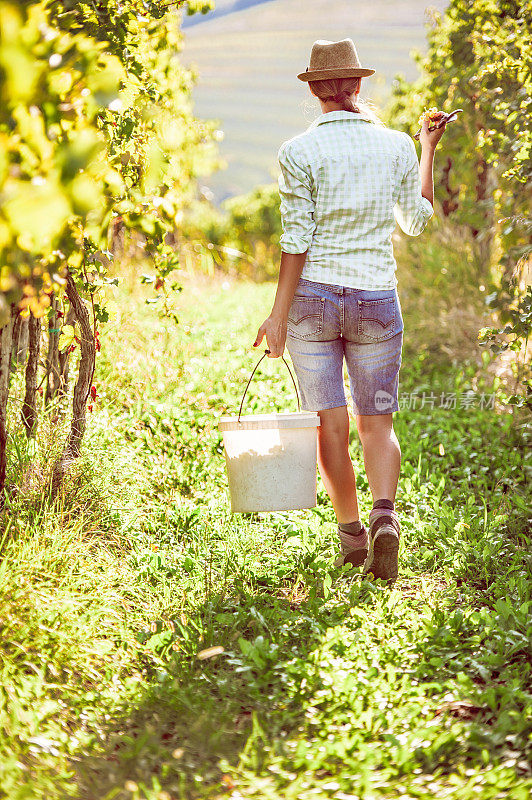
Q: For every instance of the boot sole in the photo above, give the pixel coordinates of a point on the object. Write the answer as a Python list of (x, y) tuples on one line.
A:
[(383, 554)]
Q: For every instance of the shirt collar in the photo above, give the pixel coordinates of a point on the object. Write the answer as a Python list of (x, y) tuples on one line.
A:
[(332, 116)]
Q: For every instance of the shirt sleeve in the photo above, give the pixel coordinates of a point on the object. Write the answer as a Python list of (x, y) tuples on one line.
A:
[(412, 211), (297, 205)]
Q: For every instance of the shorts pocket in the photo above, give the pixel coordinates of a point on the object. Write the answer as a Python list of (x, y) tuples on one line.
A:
[(305, 318), (378, 319)]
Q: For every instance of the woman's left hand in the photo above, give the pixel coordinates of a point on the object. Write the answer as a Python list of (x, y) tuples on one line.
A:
[(274, 329)]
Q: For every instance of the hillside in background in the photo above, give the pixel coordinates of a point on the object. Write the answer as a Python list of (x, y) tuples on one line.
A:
[(248, 61), (222, 8)]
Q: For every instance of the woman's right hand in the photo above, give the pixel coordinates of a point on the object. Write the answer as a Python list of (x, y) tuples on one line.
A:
[(428, 138), (274, 329)]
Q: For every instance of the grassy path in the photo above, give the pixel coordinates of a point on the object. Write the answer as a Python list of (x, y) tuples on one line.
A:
[(329, 686)]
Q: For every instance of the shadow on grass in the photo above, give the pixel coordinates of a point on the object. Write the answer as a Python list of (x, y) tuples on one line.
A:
[(199, 712), (253, 697)]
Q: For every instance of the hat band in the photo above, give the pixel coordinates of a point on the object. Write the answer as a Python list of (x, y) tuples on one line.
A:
[(333, 69)]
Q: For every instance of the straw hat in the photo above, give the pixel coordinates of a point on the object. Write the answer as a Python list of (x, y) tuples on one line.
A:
[(333, 60)]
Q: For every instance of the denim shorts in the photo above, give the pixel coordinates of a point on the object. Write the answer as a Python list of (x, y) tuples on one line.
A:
[(327, 323)]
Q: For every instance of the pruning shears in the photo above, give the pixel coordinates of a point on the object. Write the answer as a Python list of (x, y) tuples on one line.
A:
[(446, 118)]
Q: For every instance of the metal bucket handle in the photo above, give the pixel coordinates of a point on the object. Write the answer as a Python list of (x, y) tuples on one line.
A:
[(266, 353)]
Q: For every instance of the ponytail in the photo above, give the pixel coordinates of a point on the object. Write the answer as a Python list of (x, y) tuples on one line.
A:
[(344, 98), (342, 91)]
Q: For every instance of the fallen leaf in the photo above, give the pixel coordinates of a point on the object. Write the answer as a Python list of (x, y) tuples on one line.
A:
[(228, 782), (210, 652), (460, 709)]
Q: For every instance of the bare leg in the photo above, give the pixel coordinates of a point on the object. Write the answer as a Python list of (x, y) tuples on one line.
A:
[(336, 467), (382, 454)]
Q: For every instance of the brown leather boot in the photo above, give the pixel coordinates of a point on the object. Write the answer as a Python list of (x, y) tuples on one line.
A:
[(384, 532), (353, 548)]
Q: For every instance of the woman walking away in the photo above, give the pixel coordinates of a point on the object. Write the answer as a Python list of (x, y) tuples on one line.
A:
[(344, 183)]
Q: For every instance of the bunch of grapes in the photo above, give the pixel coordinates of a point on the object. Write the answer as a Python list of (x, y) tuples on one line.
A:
[(430, 114)]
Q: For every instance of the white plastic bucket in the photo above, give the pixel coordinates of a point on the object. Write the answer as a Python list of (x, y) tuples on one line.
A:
[(271, 460)]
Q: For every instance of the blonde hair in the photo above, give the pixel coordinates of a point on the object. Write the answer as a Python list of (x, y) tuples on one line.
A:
[(341, 90)]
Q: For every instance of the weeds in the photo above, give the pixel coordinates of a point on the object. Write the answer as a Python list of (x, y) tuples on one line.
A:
[(156, 646)]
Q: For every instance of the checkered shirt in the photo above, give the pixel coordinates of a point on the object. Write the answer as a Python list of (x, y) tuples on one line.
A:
[(344, 183)]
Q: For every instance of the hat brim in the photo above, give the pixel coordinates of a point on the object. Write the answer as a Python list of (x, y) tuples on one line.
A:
[(328, 74)]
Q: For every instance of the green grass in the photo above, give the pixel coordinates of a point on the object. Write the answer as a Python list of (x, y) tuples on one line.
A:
[(329, 686)]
